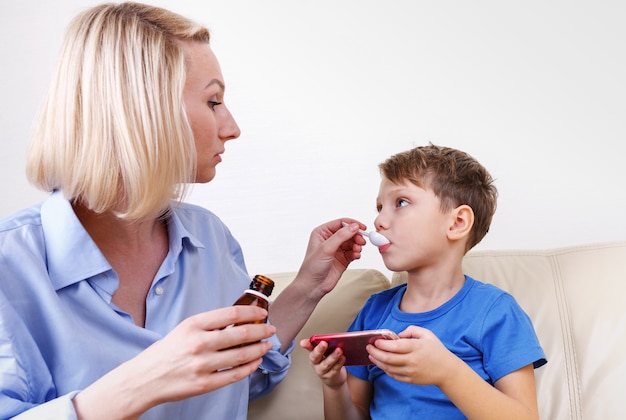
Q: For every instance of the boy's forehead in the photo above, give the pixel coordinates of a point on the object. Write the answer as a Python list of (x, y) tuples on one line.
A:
[(405, 186)]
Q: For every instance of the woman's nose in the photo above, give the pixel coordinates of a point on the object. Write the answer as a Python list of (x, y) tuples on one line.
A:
[(229, 130)]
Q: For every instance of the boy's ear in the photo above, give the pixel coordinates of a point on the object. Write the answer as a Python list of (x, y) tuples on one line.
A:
[(463, 220)]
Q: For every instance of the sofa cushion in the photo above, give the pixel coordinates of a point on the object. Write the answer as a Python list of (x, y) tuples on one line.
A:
[(299, 395)]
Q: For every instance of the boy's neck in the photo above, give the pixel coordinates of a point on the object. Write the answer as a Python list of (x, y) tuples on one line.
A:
[(428, 289)]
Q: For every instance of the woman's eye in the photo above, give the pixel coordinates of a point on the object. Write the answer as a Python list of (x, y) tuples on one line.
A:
[(213, 104), (401, 202)]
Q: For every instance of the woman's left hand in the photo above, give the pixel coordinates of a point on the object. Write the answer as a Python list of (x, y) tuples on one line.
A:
[(332, 247)]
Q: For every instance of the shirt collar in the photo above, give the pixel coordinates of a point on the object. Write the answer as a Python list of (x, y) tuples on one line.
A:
[(72, 254), (178, 232)]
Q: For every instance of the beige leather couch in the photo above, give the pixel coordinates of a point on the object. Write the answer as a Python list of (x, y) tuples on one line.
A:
[(575, 296)]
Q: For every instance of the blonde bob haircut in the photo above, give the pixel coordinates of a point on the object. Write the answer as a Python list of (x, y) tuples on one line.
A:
[(113, 133)]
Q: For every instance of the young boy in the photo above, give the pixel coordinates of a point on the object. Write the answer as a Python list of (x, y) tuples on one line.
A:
[(466, 349)]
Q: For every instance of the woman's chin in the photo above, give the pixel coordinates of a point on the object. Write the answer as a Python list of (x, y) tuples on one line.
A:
[(204, 177)]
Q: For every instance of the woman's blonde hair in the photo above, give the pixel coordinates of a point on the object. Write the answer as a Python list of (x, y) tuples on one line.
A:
[(113, 132)]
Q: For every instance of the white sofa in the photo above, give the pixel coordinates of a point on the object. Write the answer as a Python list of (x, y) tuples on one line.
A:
[(575, 297)]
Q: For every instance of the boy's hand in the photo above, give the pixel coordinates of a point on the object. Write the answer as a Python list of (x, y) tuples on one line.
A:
[(418, 357), (330, 369)]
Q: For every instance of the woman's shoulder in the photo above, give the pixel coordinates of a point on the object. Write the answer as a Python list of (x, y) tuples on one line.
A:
[(200, 222), (183, 207), (193, 213), (28, 217), (21, 230)]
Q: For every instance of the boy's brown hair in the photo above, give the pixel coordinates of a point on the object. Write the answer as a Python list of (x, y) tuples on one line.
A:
[(455, 177)]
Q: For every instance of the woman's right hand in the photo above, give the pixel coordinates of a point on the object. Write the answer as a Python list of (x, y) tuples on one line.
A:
[(200, 355)]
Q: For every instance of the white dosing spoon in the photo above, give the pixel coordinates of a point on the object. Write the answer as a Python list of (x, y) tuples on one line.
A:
[(375, 238)]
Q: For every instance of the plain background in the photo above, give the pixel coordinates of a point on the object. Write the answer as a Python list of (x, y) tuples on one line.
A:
[(324, 91)]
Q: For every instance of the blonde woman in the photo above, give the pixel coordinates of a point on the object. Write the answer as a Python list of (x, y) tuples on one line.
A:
[(114, 293)]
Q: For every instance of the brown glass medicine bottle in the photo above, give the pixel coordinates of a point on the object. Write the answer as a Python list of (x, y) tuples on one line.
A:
[(260, 289)]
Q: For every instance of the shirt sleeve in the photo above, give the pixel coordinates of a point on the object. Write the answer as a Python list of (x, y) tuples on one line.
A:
[(272, 370), (61, 408), (508, 327), (25, 381)]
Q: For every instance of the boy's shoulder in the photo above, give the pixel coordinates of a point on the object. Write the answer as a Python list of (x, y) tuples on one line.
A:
[(488, 298), (484, 289), (473, 289)]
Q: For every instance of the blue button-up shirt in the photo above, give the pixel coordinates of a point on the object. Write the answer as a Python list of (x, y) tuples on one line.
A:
[(60, 331)]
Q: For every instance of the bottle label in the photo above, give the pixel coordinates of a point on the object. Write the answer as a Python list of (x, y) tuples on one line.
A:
[(257, 293)]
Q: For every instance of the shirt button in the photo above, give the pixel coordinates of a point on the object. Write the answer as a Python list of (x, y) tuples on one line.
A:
[(159, 290)]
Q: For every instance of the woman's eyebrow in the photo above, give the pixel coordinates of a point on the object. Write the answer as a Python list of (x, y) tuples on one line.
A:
[(215, 81)]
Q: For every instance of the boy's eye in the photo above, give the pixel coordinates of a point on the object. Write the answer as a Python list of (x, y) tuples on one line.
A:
[(401, 202), (213, 104)]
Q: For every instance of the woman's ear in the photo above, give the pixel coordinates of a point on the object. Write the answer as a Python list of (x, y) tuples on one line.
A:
[(463, 220)]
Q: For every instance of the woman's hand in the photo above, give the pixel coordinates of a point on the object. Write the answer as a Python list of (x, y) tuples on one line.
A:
[(200, 355), (332, 247)]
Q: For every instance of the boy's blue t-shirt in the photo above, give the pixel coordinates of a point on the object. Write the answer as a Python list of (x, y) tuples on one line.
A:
[(481, 324)]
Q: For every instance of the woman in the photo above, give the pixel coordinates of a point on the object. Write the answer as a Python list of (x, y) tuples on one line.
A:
[(114, 298)]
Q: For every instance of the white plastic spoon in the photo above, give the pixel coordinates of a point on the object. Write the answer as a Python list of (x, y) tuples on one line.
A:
[(375, 238)]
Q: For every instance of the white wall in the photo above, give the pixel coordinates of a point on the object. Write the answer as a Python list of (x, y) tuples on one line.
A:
[(325, 90)]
